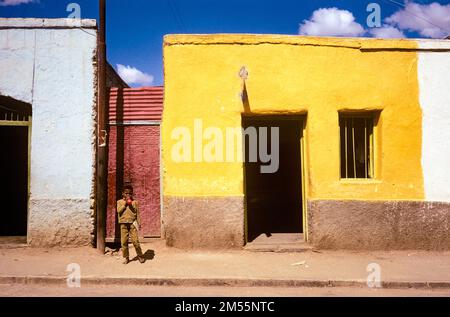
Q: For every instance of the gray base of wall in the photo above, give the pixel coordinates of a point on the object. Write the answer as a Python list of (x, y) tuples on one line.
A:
[(204, 222), (59, 222), (218, 222), (384, 225)]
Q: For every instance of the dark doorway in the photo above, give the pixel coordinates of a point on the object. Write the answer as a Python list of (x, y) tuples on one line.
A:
[(274, 200), (14, 180)]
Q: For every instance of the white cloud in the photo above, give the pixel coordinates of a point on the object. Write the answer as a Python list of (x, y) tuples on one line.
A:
[(331, 22), (5, 3), (387, 32), (414, 17), (132, 75)]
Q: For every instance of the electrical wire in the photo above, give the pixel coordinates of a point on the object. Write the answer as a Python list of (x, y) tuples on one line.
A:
[(417, 16), (177, 16)]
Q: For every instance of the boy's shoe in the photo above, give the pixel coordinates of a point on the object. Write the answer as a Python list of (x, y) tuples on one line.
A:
[(126, 260), (141, 259)]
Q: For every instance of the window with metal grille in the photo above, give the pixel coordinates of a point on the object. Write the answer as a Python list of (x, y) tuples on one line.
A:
[(357, 145)]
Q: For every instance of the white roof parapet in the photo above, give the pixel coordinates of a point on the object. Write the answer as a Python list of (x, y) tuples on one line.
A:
[(34, 23)]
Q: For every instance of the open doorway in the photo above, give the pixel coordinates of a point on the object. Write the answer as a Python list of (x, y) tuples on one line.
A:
[(274, 202), (15, 125)]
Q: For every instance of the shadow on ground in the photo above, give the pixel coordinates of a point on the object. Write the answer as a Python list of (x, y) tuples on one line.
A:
[(148, 255)]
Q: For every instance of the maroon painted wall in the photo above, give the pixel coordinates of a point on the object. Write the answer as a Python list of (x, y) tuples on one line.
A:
[(134, 155)]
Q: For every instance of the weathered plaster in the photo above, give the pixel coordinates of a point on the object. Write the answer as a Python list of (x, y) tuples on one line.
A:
[(317, 77), (24, 23), (53, 68), (291, 75), (204, 222), (376, 225), (56, 222), (434, 80)]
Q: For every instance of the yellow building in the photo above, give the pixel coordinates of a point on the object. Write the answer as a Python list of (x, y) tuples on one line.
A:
[(341, 141)]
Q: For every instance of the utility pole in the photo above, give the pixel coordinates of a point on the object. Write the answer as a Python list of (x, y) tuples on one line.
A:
[(102, 141)]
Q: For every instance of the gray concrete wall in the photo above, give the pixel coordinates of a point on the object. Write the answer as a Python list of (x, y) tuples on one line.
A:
[(218, 222), (204, 222), (379, 225)]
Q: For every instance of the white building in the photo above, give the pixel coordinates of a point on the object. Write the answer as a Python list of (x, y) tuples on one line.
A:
[(48, 107)]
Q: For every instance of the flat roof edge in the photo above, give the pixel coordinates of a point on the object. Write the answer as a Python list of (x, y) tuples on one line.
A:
[(362, 43), (37, 23)]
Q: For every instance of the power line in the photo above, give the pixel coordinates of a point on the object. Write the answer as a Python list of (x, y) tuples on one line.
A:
[(180, 17), (417, 16), (176, 15)]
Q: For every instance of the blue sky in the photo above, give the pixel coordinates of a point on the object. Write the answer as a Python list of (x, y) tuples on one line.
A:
[(135, 29)]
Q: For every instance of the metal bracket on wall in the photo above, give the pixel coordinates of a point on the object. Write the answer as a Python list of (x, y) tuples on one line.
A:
[(102, 138)]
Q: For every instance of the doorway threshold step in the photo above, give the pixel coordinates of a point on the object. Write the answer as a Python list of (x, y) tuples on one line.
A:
[(13, 242), (279, 242), (278, 248)]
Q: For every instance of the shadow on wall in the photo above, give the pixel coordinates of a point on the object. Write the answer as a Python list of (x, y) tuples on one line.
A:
[(245, 100), (120, 154)]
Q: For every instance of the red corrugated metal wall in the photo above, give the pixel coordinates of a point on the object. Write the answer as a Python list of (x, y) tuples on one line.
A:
[(131, 104), (134, 155)]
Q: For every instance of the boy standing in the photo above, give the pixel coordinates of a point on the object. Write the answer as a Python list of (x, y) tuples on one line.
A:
[(128, 210)]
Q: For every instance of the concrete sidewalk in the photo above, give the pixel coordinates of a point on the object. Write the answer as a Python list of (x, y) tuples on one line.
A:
[(169, 266)]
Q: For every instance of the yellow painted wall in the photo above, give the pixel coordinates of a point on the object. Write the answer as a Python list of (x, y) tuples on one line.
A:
[(292, 74)]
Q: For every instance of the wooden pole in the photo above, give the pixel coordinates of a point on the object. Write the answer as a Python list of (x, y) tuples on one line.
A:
[(102, 121)]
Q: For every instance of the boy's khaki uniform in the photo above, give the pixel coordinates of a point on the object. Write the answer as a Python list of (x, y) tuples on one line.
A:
[(127, 216)]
